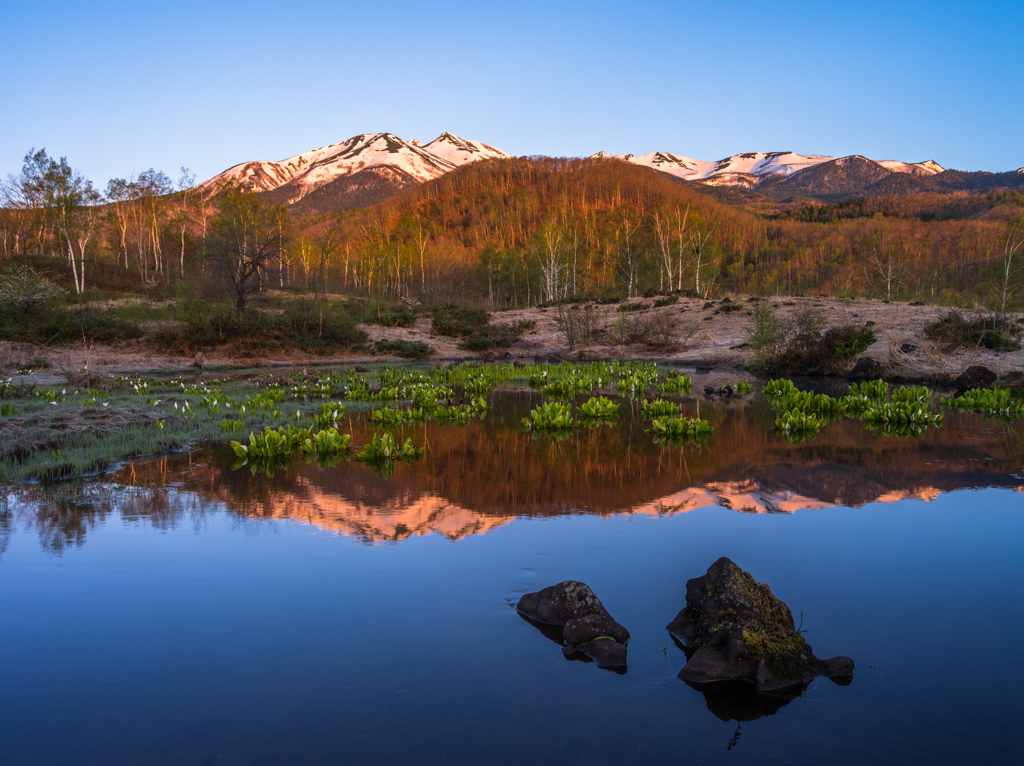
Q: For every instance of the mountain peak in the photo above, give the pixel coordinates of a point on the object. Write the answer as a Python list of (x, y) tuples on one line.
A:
[(304, 173), (458, 151)]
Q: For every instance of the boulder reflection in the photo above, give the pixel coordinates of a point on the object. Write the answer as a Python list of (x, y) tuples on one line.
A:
[(734, 701), (572, 654)]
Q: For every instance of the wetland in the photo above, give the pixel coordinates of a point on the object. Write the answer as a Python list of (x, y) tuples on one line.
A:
[(330, 601)]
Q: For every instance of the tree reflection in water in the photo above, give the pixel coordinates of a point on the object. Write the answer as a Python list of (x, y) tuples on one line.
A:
[(474, 478)]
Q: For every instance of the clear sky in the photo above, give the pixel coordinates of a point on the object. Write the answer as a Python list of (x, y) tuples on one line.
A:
[(119, 87)]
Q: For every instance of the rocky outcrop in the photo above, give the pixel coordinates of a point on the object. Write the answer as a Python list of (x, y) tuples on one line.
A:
[(734, 629), (866, 369), (586, 624), (975, 376)]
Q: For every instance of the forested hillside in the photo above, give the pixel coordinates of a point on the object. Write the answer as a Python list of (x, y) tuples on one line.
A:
[(511, 232), (522, 231)]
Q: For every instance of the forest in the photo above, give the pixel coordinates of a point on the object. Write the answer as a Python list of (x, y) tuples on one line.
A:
[(505, 233)]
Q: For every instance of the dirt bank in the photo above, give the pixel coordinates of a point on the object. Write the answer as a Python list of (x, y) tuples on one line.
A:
[(706, 333)]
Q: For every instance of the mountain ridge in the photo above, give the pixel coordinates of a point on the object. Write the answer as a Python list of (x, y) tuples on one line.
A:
[(370, 167)]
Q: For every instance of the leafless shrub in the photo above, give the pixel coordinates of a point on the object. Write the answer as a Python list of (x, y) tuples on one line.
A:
[(577, 324), (662, 333), (808, 322)]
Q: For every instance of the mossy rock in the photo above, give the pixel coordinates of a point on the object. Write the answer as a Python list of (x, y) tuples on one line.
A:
[(586, 625), (735, 629)]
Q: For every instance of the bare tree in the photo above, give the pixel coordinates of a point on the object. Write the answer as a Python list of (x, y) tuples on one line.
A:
[(700, 245), (27, 194), (74, 203), (887, 267), (630, 254), (186, 187), (670, 262), (550, 255), (1008, 280), (244, 240)]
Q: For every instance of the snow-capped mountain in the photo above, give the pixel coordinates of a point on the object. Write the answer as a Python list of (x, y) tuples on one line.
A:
[(751, 169), (369, 168), (402, 163), (459, 151)]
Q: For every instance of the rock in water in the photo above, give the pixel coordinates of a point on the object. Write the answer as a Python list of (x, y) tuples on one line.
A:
[(586, 624), (975, 376), (866, 369), (737, 630)]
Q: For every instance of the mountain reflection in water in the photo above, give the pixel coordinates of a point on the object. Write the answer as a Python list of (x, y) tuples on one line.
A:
[(475, 478)]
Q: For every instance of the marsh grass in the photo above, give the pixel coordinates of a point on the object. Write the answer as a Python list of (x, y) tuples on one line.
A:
[(89, 431)]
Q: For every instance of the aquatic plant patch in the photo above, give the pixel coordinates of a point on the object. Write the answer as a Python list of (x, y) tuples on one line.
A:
[(988, 401), (383, 452), (659, 408), (550, 416), (598, 409), (673, 427)]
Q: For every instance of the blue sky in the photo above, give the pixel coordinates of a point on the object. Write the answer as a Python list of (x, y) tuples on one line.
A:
[(119, 87)]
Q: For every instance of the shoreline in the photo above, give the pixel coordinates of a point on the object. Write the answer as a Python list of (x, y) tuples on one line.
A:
[(708, 334)]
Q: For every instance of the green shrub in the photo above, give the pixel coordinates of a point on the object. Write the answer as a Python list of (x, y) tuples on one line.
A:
[(798, 424), (671, 300), (597, 410), (406, 349), (383, 313), (798, 345), (627, 307), (458, 321), (25, 290), (493, 336), (58, 324), (314, 326), (954, 330)]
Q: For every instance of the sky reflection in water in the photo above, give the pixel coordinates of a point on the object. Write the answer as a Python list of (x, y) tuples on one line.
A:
[(186, 620)]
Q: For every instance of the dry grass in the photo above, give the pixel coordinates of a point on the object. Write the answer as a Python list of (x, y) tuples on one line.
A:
[(43, 431)]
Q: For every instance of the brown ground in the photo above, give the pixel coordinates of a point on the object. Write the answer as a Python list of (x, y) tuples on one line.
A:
[(706, 335)]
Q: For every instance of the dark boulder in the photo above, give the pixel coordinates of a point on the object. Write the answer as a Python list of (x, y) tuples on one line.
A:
[(586, 624), (908, 348), (866, 369), (736, 630), (837, 667), (975, 376)]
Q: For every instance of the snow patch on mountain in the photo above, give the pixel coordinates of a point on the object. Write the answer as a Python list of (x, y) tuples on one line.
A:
[(307, 172), (750, 169), (926, 168), (459, 151)]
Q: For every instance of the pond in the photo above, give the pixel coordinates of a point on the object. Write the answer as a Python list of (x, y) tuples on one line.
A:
[(182, 610)]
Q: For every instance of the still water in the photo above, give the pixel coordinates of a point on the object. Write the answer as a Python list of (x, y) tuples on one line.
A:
[(182, 611)]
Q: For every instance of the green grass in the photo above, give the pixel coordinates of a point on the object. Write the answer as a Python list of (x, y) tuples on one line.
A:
[(86, 431)]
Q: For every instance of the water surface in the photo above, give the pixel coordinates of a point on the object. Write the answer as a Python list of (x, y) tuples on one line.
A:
[(186, 612)]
